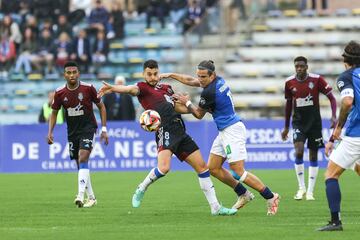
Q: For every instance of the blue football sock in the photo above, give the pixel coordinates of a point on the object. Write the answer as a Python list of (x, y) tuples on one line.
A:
[(266, 193), (240, 189), (333, 195)]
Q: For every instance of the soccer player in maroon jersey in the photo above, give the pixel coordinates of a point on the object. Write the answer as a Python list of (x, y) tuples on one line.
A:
[(77, 99), (302, 90), (171, 137)]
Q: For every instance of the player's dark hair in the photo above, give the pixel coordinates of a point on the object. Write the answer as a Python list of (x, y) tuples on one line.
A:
[(352, 53), (207, 65), (70, 64), (300, 58), (150, 64)]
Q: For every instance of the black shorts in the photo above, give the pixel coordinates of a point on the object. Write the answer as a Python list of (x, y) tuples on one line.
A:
[(80, 141), (313, 136), (176, 140)]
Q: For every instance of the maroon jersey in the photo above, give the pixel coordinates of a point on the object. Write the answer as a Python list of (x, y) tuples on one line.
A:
[(158, 98), (305, 97), (78, 105)]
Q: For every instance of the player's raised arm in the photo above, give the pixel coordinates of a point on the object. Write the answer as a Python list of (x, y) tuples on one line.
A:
[(52, 122), (108, 88), (185, 79)]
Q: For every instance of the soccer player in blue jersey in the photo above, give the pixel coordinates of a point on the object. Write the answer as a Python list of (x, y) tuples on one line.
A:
[(230, 143), (159, 97), (347, 152)]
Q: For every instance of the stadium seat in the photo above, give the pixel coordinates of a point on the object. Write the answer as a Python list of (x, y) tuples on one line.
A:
[(35, 76)]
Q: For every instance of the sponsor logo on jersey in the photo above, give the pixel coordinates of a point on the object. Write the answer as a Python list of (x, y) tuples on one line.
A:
[(303, 102), (311, 85), (76, 111), (80, 96), (340, 84), (228, 149)]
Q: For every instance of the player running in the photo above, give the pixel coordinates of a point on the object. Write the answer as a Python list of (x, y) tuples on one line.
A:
[(171, 137), (302, 90), (230, 143), (77, 98)]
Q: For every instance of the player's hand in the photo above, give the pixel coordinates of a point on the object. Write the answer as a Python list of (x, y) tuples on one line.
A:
[(105, 89), (164, 75), (284, 134), (333, 122), (181, 97), (50, 138), (104, 137), (328, 148)]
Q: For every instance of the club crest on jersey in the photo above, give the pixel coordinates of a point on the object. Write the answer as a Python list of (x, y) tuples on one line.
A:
[(311, 85), (80, 96), (202, 101), (340, 84), (294, 90), (66, 99)]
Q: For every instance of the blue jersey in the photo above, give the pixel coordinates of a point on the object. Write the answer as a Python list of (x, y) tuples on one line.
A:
[(216, 99), (348, 84)]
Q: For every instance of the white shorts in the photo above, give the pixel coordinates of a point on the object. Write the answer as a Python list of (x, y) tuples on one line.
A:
[(230, 143), (347, 152)]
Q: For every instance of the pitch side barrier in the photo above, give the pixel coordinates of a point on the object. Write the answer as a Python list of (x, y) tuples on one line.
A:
[(24, 147)]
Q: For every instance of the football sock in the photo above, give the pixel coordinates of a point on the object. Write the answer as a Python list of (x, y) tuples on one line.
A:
[(208, 188), (313, 172), (83, 177), (333, 195), (240, 189), (267, 193), (153, 175), (299, 170), (89, 190)]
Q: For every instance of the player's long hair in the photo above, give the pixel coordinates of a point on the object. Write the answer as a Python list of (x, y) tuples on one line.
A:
[(352, 53)]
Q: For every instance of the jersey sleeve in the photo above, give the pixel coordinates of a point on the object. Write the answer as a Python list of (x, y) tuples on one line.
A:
[(56, 103), (324, 87), (93, 95), (207, 100), (345, 85), (140, 85), (287, 91)]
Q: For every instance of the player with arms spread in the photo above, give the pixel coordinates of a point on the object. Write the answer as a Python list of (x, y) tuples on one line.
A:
[(77, 99), (302, 90), (171, 137), (230, 143), (347, 153)]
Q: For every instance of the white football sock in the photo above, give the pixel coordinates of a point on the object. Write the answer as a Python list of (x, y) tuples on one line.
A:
[(150, 178), (313, 172), (208, 188), (89, 189), (83, 177), (299, 170)]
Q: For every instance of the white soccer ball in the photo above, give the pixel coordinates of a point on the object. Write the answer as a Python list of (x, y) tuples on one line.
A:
[(150, 120)]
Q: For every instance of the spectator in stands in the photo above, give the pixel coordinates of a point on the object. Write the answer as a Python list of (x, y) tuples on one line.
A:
[(155, 8), (232, 9), (44, 54), (213, 15), (193, 15), (81, 52), (61, 7), (32, 22), (119, 106), (79, 9), (324, 4), (7, 54), (100, 50), (117, 20), (11, 29), (46, 111), (27, 52), (62, 49), (43, 9), (46, 24), (99, 18), (24, 11), (177, 14), (62, 26)]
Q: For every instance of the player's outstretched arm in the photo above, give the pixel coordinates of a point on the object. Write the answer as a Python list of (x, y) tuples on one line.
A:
[(103, 135), (185, 79), (108, 88), (52, 122)]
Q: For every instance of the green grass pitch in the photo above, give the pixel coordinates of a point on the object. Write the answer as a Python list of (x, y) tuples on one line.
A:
[(40, 206)]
